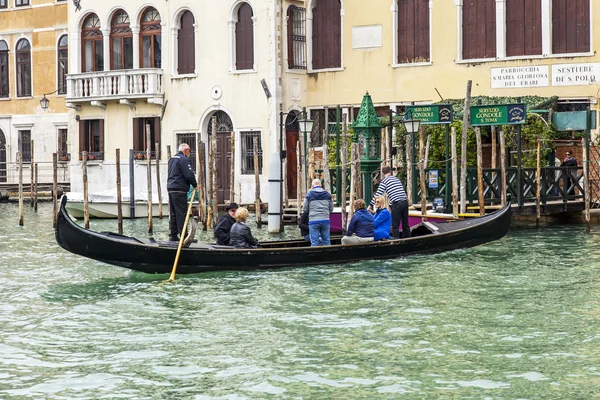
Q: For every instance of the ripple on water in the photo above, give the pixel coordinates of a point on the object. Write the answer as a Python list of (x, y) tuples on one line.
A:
[(516, 318)]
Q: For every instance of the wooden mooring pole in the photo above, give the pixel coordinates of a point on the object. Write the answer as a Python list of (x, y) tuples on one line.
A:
[(149, 176), (202, 183), (463, 150), (35, 190), (344, 169), (86, 208), (503, 166), (353, 179), (54, 187), (538, 189), (409, 172), (158, 184), (232, 169), (454, 175), (20, 161), (480, 192), (32, 162), (298, 179), (586, 184), (214, 212), (422, 173), (256, 184), (119, 194)]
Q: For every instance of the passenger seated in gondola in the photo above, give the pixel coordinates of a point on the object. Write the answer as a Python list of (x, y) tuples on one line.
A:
[(360, 229), (305, 228), (224, 225), (240, 235), (382, 220)]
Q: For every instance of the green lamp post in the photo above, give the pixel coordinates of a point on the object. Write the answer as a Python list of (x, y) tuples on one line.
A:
[(367, 132)]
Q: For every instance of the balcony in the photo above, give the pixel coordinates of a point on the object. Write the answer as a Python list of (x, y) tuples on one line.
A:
[(125, 86)]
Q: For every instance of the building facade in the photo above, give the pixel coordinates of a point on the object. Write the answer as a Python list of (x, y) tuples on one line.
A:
[(33, 63), (165, 69), (401, 51)]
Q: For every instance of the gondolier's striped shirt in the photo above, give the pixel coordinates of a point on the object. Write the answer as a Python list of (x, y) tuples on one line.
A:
[(394, 189)]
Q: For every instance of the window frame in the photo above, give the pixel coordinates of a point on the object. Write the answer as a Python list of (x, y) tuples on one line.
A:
[(247, 153), (396, 37), (246, 65), (23, 66), (62, 145), (525, 28), (4, 70), (95, 36), (486, 24), (139, 137), (3, 4), (62, 64), (86, 139), (296, 38), (22, 3), (189, 48), (24, 146), (148, 29), (311, 40), (120, 32), (587, 38)]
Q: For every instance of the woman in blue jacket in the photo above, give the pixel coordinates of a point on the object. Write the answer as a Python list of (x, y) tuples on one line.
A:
[(382, 222)]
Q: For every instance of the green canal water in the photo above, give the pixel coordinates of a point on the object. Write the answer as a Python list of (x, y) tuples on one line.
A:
[(517, 318)]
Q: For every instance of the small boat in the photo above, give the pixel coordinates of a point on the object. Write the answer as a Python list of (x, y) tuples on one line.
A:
[(104, 204), (150, 256)]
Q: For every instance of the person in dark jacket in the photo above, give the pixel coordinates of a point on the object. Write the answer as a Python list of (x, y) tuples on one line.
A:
[(569, 161), (241, 235), (179, 180), (305, 228), (224, 225), (360, 229)]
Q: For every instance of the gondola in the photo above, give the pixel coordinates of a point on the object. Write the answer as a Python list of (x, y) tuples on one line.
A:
[(150, 256)]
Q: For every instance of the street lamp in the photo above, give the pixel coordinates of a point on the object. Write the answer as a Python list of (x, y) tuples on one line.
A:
[(411, 126), (44, 102), (306, 125)]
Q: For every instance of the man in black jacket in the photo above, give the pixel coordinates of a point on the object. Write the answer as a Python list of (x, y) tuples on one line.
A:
[(178, 185), (224, 225)]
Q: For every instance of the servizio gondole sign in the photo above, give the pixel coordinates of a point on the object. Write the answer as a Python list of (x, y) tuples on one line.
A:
[(431, 114), (500, 114)]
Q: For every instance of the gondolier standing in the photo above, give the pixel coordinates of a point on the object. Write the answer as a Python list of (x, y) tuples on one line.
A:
[(398, 201), (178, 184)]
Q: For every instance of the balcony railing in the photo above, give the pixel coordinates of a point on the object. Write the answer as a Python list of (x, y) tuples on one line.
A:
[(115, 85)]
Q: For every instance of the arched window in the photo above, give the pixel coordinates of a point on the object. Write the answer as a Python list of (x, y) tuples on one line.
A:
[(186, 54), (326, 34), (151, 36), (92, 42), (121, 42), (296, 37), (244, 38), (3, 69), (63, 66), (23, 68)]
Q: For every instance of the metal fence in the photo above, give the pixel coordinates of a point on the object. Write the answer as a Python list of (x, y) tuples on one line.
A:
[(9, 173)]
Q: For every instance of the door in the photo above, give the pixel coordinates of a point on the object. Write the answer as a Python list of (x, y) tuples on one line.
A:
[(291, 139), (223, 166)]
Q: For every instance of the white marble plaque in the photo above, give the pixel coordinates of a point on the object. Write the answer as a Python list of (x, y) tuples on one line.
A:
[(364, 37), (575, 74), (520, 77)]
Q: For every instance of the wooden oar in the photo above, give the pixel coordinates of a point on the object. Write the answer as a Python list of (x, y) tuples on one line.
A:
[(182, 238)]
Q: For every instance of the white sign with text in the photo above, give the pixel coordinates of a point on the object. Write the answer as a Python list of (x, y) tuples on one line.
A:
[(520, 77), (575, 74)]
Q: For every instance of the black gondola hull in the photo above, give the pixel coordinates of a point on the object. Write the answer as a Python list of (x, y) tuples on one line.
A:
[(157, 258)]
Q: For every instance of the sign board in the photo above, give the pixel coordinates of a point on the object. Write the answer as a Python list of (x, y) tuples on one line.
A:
[(575, 74), (431, 114), (433, 178), (502, 114), (520, 77)]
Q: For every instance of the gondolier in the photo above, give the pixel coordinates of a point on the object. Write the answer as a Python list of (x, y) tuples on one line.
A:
[(178, 184), (392, 186)]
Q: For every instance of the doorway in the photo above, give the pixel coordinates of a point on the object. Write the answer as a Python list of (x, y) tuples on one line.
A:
[(223, 155), (292, 135)]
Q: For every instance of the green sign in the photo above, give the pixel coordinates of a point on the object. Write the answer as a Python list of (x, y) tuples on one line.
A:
[(431, 114), (501, 114)]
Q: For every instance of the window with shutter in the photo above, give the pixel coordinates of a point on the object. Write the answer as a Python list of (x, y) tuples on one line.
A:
[(151, 39), (23, 68), (25, 145), (413, 31), (479, 29), (326, 34), (92, 52), (3, 69), (186, 56), (570, 26), (91, 138), (523, 27), (142, 126), (121, 41), (244, 38), (63, 62)]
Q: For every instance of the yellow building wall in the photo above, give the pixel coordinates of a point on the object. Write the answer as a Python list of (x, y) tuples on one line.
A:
[(371, 69), (42, 24)]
